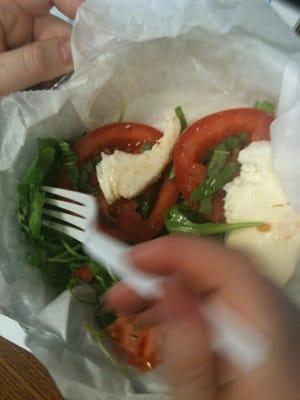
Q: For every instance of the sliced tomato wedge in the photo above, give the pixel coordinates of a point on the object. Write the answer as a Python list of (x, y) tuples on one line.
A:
[(198, 140), (128, 224), (122, 220), (123, 136)]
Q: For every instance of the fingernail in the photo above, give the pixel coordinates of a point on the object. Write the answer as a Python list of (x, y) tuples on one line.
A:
[(65, 51)]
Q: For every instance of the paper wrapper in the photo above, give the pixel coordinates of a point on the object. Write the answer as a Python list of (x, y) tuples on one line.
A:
[(205, 55)]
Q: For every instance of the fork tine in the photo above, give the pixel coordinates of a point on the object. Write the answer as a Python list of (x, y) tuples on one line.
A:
[(67, 230), (66, 205), (69, 194), (71, 219)]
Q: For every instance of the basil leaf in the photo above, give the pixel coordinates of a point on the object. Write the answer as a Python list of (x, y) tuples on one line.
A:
[(180, 115), (212, 185), (70, 163), (217, 162), (176, 222), (265, 106)]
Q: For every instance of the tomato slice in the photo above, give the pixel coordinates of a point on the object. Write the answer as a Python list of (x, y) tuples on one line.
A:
[(203, 136), (122, 136), (122, 220), (128, 224)]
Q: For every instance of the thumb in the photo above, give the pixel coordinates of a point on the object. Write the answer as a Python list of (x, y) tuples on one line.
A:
[(34, 63), (189, 360)]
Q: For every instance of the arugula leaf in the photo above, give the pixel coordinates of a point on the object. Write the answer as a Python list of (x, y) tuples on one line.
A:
[(265, 106), (47, 142), (176, 222), (104, 318), (180, 115), (70, 163), (40, 166), (37, 201)]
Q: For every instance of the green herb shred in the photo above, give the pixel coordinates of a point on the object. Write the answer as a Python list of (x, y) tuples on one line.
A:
[(177, 222), (265, 106)]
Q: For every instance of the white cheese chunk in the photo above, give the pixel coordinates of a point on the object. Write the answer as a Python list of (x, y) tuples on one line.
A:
[(125, 175), (256, 195)]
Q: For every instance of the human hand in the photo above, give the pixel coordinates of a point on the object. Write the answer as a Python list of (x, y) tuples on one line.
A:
[(199, 270), (34, 45)]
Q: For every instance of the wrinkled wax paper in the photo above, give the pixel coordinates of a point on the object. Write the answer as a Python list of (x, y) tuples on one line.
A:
[(205, 55)]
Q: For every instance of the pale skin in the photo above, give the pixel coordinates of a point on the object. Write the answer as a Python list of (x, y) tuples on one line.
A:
[(34, 45), (35, 48), (196, 270)]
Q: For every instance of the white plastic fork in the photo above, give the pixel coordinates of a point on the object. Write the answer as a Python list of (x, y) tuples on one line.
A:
[(77, 212), (83, 227)]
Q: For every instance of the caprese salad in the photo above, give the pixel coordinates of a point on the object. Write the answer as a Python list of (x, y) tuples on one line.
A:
[(213, 177)]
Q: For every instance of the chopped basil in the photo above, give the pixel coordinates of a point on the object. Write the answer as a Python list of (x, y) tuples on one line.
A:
[(146, 147), (143, 206), (265, 106), (206, 205), (213, 184), (172, 173), (180, 115), (219, 171), (176, 222), (183, 123), (122, 110), (217, 162)]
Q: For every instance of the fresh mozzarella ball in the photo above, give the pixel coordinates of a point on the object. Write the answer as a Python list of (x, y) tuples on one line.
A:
[(125, 175), (256, 195)]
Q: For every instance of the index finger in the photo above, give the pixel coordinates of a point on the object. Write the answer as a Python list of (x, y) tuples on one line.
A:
[(68, 7), (203, 267), (35, 8)]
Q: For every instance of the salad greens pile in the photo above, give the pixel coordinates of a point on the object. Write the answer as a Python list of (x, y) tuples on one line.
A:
[(60, 258), (54, 254)]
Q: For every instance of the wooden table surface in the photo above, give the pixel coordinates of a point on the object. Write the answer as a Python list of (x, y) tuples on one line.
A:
[(22, 377)]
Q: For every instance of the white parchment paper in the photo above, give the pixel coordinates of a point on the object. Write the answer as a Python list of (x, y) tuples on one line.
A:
[(205, 55)]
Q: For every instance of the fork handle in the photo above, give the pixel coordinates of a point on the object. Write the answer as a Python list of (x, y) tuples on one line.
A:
[(112, 253)]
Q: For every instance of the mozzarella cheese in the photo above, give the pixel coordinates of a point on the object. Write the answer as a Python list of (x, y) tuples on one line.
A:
[(256, 195), (125, 175)]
